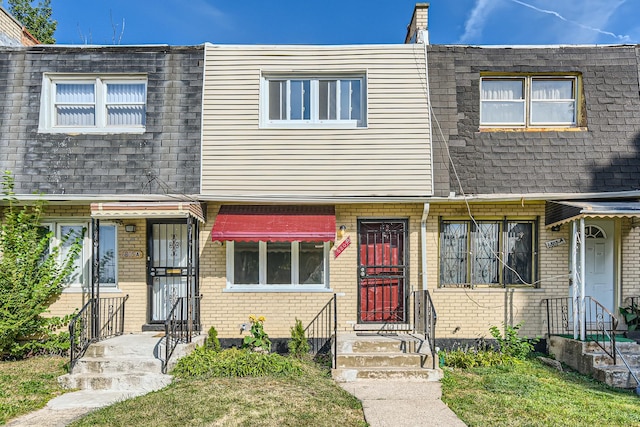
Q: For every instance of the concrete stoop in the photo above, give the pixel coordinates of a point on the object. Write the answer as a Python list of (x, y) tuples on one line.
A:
[(589, 359), (130, 363), (384, 356)]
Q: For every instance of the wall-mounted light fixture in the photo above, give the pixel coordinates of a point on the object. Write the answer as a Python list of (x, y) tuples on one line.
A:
[(555, 228), (342, 230), (130, 228)]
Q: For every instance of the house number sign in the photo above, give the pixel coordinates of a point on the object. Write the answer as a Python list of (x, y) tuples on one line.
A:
[(342, 246), (554, 243), (132, 254)]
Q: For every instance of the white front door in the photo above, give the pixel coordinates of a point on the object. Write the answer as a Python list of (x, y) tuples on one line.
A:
[(599, 262)]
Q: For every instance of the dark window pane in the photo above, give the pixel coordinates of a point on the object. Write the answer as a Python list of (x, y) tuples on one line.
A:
[(519, 253), (278, 263), (246, 263), (453, 253), (311, 263), (485, 248)]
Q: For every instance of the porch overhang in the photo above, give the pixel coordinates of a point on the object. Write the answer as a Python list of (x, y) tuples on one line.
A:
[(562, 212), (247, 223), (119, 210)]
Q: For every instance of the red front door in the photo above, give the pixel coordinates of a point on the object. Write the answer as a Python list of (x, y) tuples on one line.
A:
[(382, 270)]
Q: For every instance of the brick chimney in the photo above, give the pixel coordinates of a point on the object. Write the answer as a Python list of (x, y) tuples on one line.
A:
[(418, 23)]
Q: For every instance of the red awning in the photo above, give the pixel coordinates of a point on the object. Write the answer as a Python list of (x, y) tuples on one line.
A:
[(275, 223)]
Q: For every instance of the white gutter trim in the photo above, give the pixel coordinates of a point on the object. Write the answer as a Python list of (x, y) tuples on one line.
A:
[(535, 196)]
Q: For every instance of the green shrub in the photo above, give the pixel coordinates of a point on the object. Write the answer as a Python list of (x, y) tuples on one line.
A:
[(511, 344), (31, 278), (298, 345), (473, 358), (257, 338), (204, 362), (631, 315), (212, 342)]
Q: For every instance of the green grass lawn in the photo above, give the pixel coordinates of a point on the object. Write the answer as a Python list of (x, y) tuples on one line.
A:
[(27, 385), (533, 394), (312, 399), (527, 394)]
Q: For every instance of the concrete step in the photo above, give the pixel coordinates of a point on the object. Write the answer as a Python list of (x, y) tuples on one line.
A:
[(115, 365), (382, 360), (369, 343), (348, 374), (616, 376), (600, 358), (115, 382), (628, 346), (133, 345)]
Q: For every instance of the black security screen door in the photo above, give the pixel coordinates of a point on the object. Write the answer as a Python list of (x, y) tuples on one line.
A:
[(171, 271), (382, 271)]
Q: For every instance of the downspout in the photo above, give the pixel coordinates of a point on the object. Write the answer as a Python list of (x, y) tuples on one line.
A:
[(423, 239)]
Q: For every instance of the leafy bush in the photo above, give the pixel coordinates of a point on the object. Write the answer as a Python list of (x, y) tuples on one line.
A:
[(511, 344), (298, 345), (212, 342), (31, 278), (631, 315), (204, 362), (258, 338), (473, 358)]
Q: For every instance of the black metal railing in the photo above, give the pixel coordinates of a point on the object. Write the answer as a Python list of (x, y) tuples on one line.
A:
[(182, 323), (322, 331), (98, 319), (601, 326), (600, 323), (558, 316), (424, 320)]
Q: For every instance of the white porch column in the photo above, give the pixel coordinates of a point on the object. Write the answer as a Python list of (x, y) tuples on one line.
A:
[(582, 280), (574, 278)]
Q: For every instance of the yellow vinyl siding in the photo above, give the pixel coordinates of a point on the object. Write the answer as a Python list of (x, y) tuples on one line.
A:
[(388, 157)]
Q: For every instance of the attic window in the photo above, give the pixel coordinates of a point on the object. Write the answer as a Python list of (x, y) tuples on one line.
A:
[(313, 101), (529, 101), (93, 104)]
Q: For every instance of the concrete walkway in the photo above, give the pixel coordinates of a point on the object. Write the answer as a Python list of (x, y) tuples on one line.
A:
[(68, 407), (400, 403), (386, 403)]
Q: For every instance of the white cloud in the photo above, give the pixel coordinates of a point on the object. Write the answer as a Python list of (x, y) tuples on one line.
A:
[(475, 23), (582, 21)]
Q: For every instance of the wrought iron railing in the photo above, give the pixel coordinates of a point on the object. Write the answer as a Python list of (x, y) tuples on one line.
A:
[(97, 320), (182, 323), (558, 316), (322, 331), (424, 320), (600, 323)]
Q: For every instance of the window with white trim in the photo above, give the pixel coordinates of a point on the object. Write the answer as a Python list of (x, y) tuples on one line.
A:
[(331, 101), (274, 265), (65, 234), (529, 101), (487, 252), (100, 104)]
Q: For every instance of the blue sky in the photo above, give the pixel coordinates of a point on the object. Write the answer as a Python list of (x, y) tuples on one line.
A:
[(187, 22)]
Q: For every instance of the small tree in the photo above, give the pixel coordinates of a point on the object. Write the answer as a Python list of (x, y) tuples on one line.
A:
[(37, 19), (298, 344), (31, 276)]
